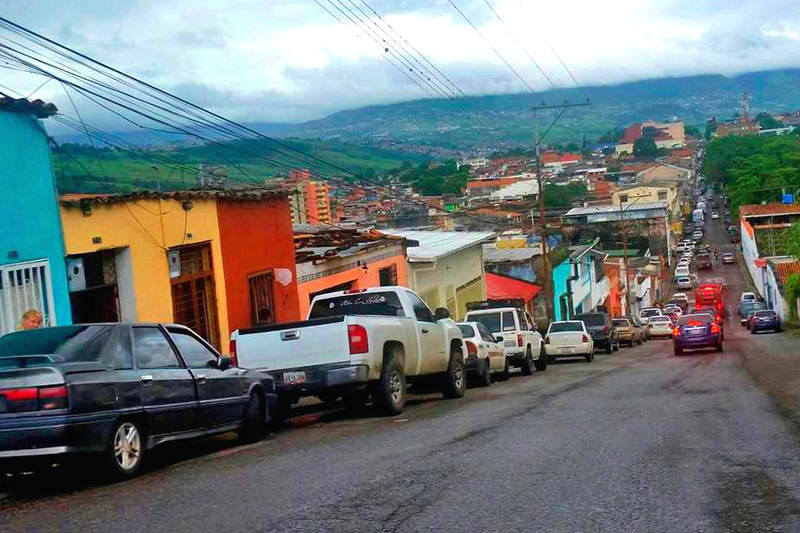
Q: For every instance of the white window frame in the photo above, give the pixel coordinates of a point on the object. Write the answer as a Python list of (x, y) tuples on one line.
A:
[(11, 308)]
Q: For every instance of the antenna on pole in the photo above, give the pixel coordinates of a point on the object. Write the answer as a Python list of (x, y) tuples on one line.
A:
[(746, 106)]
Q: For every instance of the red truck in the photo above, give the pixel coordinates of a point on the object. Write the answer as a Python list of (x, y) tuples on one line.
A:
[(710, 294)]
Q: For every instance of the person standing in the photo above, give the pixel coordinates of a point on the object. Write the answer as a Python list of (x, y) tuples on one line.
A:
[(31, 319)]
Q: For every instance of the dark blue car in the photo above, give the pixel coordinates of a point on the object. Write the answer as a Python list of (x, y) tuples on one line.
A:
[(764, 321), (696, 331), (118, 390)]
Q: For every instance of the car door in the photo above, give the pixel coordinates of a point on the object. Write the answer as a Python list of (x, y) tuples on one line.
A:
[(221, 394), (432, 349), (169, 396), (495, 349)]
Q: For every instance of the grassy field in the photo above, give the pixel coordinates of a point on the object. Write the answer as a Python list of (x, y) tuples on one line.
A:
[(80, 168)]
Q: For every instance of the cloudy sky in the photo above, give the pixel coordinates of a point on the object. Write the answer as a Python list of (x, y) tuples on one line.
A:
[(289, 60)]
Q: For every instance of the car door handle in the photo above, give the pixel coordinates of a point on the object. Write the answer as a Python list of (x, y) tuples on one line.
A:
[(147, 379), (201, 378), (424, 330)]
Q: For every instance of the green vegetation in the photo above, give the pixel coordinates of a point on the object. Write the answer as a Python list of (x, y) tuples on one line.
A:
[(557, 196), (754, 168), (692, 131), (79, 168), (767, 122), (434, 180), (793, 287), (645, 147)]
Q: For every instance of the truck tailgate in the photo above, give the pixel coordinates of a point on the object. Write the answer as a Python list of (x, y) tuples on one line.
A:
[(294, 345)]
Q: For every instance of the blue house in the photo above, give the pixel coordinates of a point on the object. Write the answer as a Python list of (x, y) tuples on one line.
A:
[(32, 258), (579, 283)]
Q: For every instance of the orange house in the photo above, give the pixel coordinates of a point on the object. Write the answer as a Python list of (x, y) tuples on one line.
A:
[(258, 260), (614, 301), (331, 259)]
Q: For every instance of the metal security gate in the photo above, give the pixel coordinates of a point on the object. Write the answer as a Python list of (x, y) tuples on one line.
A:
[(194, 301), (24, 287)]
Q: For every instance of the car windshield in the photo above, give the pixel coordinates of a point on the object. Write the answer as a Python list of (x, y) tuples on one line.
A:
[(466, 330), (370, 303), (622, 322), (695, 318), (560, 327), (592, 319), (659, 319), (684, 280), (70, 343), (646, 313)]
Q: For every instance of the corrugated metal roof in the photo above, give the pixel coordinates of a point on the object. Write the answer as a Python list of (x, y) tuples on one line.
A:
[(596, 209), (437, 244), (501, 255)]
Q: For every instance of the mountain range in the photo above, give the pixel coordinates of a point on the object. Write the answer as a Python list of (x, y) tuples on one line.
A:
[(444, 128)]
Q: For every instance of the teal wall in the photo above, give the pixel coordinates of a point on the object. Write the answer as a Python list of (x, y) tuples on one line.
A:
[(560, 275), (28, 208)]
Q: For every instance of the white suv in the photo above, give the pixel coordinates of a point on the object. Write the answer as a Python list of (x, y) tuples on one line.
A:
[(647, 313), (522, 343)]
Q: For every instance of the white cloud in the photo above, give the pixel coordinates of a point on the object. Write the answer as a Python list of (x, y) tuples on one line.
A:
[(285, 60)]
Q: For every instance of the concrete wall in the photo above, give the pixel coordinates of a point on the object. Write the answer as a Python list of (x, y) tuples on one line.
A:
[(750, 254), (31, 228), (439, 282)]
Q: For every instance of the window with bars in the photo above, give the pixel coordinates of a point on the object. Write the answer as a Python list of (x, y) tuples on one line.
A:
[(261, 302), (24, 287), (388, 276)]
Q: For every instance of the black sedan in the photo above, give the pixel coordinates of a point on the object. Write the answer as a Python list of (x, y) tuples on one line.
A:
[(119, 390)]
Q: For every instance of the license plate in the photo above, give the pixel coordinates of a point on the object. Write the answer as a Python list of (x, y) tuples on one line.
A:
[(294, 378), (565, 349), (696, 332)]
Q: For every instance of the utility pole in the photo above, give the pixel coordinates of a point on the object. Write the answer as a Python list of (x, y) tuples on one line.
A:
[(547, 274)]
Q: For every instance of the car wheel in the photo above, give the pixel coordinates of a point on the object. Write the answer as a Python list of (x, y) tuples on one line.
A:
[(125, 449), (719, 346), (590, 357), (609, 347), (678, 351), (253, 419), (485, 377), (389, 391), (504, 376), (527, 363), (541, 363), (455, 379)]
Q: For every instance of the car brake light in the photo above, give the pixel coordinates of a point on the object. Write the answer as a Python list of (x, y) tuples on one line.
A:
[(607, 329), (715, 328), (584, 339), (357, 337), (676, 331), (234, 357), (53, 397), (355, 291), (20, 395), (519, 339), (719, 318), (472, 350)]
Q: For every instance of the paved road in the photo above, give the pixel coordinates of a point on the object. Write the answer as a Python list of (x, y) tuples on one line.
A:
[(639, 440)]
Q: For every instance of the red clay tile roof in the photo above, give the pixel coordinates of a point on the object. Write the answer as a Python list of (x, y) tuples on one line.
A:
[(682, 152), (756, 210), (499, 182), (784, 270), (555, 157)]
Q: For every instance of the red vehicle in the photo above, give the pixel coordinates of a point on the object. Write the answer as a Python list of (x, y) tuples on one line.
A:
[(711, 294)]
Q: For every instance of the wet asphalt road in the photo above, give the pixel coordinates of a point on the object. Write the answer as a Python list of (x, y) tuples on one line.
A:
[(639, 440)]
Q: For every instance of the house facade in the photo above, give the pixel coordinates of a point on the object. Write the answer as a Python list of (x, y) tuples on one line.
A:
[(580, 284), (446, 267), (32, 271)]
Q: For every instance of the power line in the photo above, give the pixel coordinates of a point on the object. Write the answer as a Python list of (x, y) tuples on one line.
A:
[(497, 53)]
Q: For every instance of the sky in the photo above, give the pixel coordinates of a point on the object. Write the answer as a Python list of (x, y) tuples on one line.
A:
[(290, 61)]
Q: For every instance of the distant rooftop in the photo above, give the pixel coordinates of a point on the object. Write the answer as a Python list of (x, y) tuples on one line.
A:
[(597, 209), (758, 210), (233, 194), (435, 245), (37, 108)]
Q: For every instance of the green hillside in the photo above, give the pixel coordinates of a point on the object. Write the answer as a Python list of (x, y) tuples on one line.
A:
[(80, 168)]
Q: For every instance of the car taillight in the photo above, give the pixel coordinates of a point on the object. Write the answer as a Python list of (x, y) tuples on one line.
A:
[(676, 331), (719, 318), (715, 329), (472, 350), (36, 398), (234, 357), (607, 330), (584, 339), (357, 336), (519, 339)]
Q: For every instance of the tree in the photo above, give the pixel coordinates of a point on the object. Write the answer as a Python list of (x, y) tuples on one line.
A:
[(767, 122), (645, 147), (692, 131), (572, 147)]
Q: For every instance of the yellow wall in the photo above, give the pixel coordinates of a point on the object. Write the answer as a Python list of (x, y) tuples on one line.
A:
[(439, 282), (649, 194), (137, 225)]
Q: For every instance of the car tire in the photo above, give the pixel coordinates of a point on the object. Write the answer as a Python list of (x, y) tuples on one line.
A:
[(125, 449), (719, 346), (485, 377), (541, 363), (253, 419), (678, 351), (527, 365), (389, 391), (590, 357), (610, 347), (505, 375), (455, 378)]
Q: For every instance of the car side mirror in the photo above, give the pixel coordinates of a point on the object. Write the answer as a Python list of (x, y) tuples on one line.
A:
[(441, 313), (499, 338), (224, 363)]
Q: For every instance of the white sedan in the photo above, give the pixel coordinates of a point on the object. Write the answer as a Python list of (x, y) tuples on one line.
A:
[(715, 215), (569, 338), (485, 356), (660, 326)]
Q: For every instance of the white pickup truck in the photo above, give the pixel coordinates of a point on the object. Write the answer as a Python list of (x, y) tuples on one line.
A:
[(357, 344)]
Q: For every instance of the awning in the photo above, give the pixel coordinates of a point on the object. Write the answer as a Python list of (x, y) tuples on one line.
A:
[(500, 287)]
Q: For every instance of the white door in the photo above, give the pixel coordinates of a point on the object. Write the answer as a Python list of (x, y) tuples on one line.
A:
[(24, 287), (432, 351)]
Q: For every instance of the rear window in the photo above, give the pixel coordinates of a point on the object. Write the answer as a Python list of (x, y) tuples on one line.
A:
[(72, 343), (704, 319), (371, 303), (659, 319), (622, 322), (490, 321), (466, 330), (558, 327), (647, 313), (593, 319), (765, 314)]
